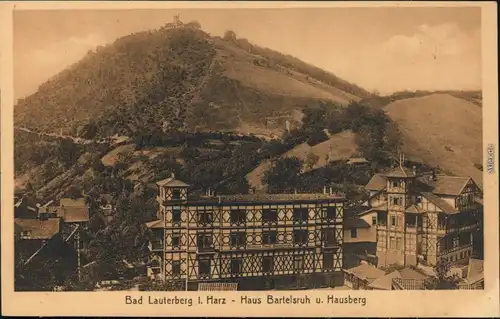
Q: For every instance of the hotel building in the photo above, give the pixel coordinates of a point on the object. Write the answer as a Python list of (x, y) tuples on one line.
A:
[(257, 241), (425, 217)]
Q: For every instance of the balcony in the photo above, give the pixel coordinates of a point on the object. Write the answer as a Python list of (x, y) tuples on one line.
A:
[(411, 228)]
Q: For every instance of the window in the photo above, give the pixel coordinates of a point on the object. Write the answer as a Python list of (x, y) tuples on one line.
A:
[(176, 215), (176, 267), (238, 216), (267, 264), (300, 214), (204, 267), (395, 184), (269, 237), (329, 236), (26, 233), (204, 241), (269, 215), (441, 221), (176, 194), (176, 240), (236, 266), (354, 233), (300, 236), (455, 242), (418, 200), (155, 266), (205, 217), (399, 242), (327, 261), (238, 239), (396, 201), (298, 263), (392, 242), (374, 220), (411, 220), (330, 213), (393, 221)]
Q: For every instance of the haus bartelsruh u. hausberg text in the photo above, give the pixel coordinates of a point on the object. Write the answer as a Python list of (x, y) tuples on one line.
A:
[(260, 241)]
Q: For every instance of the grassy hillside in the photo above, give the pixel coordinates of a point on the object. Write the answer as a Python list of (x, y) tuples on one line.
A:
[(182, 78), (338, 147), (441, 130)]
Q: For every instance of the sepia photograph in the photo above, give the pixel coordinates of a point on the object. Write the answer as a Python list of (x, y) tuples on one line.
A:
[(298, 150)]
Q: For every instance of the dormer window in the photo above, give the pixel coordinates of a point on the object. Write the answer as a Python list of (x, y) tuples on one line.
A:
[(395, 184)]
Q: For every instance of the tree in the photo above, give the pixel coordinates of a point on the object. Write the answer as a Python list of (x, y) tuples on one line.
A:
[(312, 159), (194, 24), (230, 35), (442, 279), (283, 175)]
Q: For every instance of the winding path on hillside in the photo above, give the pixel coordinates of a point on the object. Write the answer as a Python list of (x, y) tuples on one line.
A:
[(76, 140)]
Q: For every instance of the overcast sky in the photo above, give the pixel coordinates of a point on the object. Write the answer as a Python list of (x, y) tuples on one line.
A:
[(384, 49)]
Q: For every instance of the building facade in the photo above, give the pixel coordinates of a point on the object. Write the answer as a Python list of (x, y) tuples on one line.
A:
[(424, 216), (282, 241)]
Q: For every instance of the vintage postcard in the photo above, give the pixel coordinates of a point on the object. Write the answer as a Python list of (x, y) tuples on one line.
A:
[(315, 159)]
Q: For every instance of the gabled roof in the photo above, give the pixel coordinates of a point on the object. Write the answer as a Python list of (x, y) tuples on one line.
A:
[(171, 182), (400, 171), (39, 229), (439, 202), (376, 183), (366, 272), (385, 282), (445, 184), (414, 209)]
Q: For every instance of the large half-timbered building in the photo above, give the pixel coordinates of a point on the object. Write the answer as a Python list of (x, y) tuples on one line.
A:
[(425, 216), (259, 241)]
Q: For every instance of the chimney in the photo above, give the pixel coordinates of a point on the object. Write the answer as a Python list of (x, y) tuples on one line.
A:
[(331, 191), (219, 199), (208, 193), (324, 190), (434, 177), (172, 175), (295, 191), (414, 170)]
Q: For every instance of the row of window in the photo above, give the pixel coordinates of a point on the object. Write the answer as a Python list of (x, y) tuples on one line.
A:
[(238, 239), (239, 216), (236, 265)]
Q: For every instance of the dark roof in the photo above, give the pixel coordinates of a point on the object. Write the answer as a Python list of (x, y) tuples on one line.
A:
[(400, 171), (271, 198), (439, 202), (355, 223), (445, 184), (39, 229), (376, 183), (366, 272)]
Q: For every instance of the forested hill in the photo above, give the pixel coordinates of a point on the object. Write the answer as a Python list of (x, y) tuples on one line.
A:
[(180, 79)]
